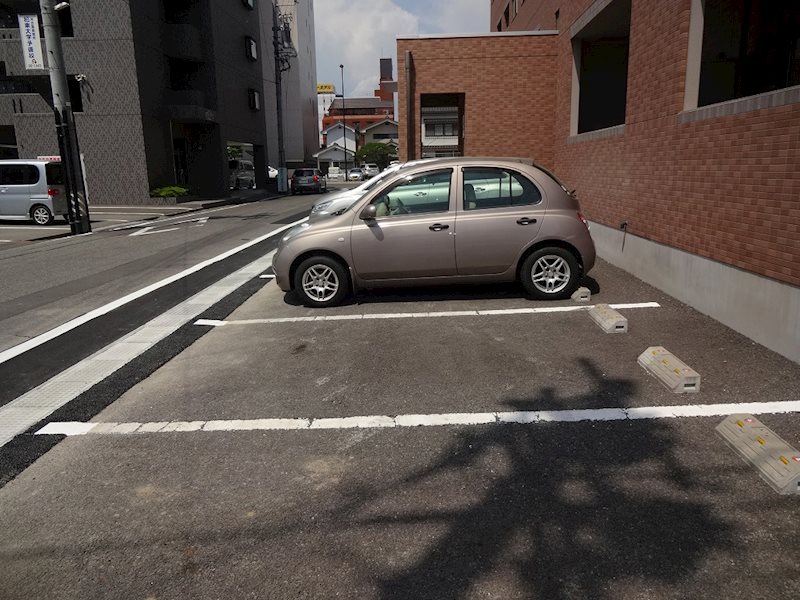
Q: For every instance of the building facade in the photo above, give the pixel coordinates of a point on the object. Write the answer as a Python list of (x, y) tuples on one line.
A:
[(326, 93), (300, 110), (676, 122), (159, 89)]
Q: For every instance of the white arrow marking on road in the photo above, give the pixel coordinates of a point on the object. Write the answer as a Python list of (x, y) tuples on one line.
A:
[(146, 231)]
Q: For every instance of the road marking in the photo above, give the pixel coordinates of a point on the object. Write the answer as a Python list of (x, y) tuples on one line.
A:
[(166, 221), (425, 315), (22, 413), (40, 228), (523, 417), (121, 212), (5, 241), (147, 231), (93, 314), (267, 276)]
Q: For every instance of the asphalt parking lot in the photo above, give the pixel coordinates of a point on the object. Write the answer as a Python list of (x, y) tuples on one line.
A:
[(425, 453)]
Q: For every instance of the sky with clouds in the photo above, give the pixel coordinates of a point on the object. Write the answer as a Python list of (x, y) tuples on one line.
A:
[(357, 33)]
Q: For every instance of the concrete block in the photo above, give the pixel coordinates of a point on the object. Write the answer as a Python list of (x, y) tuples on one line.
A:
[(776, 461), (582, 294), (670, 370), (608, 319)]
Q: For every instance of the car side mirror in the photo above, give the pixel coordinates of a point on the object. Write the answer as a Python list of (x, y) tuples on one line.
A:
[(369, 212)]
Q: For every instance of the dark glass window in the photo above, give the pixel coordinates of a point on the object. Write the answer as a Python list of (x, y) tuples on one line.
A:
[(54, 173), (497, 188), (251, 48), (254, 99), (18, 175)]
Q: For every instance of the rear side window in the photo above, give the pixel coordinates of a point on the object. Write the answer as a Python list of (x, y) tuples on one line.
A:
[(304, 172), (18, 174), (497, 188), (54, 173)]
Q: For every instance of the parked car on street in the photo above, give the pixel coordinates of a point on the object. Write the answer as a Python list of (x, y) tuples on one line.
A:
[(371, 169), (355, 175), (308, 180), (335, 174), (32, 190), (242, 174), (515, 221)]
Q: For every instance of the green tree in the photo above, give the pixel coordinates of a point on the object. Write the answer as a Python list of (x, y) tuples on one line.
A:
[(234, 152), (374, 152)]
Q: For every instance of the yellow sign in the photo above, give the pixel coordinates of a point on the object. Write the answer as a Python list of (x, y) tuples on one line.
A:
[(326, 88)]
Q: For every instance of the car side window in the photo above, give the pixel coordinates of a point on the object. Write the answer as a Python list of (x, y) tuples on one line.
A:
[(497, 188), (18, 175), (416, 194)]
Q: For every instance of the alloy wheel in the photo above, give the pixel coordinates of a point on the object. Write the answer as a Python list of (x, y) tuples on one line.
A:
[(550, 274), (320, 283)]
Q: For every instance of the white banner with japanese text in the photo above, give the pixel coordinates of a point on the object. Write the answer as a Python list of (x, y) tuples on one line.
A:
[(31, 42)]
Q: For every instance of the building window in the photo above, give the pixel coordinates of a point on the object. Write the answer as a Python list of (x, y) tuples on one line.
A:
[(75, 95), (251, 48), (440, 129), (748, 47), (254, 97), (251, 4), (600, 69)]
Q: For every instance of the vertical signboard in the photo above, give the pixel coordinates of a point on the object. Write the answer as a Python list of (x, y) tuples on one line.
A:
[(31, 42)]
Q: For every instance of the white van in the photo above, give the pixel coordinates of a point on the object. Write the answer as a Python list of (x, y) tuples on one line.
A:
[(32, 190)]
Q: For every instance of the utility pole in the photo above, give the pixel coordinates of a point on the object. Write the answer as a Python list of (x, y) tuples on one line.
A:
[(65, 121), (344, 126), (283, 52)]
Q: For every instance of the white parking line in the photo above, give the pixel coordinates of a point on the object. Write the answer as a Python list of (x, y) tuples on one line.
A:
[(30, 408), (71, 428), (425, 315), (93, 314)]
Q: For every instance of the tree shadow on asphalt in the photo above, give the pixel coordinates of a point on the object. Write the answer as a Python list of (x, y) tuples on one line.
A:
[(574, 510)]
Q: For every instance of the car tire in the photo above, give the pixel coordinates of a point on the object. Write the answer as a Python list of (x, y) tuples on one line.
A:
[(550, 274), (314, 277), (41, 215)]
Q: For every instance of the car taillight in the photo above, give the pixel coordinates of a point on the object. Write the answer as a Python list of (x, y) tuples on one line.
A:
[(316, 177), (583, 219), (52, 192)]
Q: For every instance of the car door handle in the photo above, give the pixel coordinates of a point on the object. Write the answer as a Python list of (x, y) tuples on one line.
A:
[(438, 227), (525, 221), (421, 194)]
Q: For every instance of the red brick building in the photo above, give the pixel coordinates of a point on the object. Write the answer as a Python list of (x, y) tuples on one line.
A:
[(680, 119)]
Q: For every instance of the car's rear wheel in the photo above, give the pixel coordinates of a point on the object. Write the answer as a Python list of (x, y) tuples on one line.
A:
[(550, 274), (41, 215), (321, 281)]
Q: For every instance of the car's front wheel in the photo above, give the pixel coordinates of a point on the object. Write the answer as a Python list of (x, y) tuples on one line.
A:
[(550, 274), (321, 281)]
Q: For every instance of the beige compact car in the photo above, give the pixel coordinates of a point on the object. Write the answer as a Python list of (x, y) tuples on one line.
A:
[(460, 220)]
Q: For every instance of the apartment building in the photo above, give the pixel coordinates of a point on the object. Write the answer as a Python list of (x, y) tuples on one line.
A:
[(677, 122)]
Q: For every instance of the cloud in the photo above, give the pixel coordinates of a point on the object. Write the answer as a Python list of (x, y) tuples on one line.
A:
[(357, 33), (457, 16)]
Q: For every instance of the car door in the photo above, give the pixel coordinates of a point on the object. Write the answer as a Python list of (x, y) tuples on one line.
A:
[(499, 213), (412, 235), (14, 191)]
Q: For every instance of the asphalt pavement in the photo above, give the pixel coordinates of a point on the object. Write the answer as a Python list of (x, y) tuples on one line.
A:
[(428, 443)]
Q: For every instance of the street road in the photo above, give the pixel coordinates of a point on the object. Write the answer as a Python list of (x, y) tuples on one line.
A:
[(214, 439)]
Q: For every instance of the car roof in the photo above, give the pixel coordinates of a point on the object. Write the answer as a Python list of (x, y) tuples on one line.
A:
[(27, 161)]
